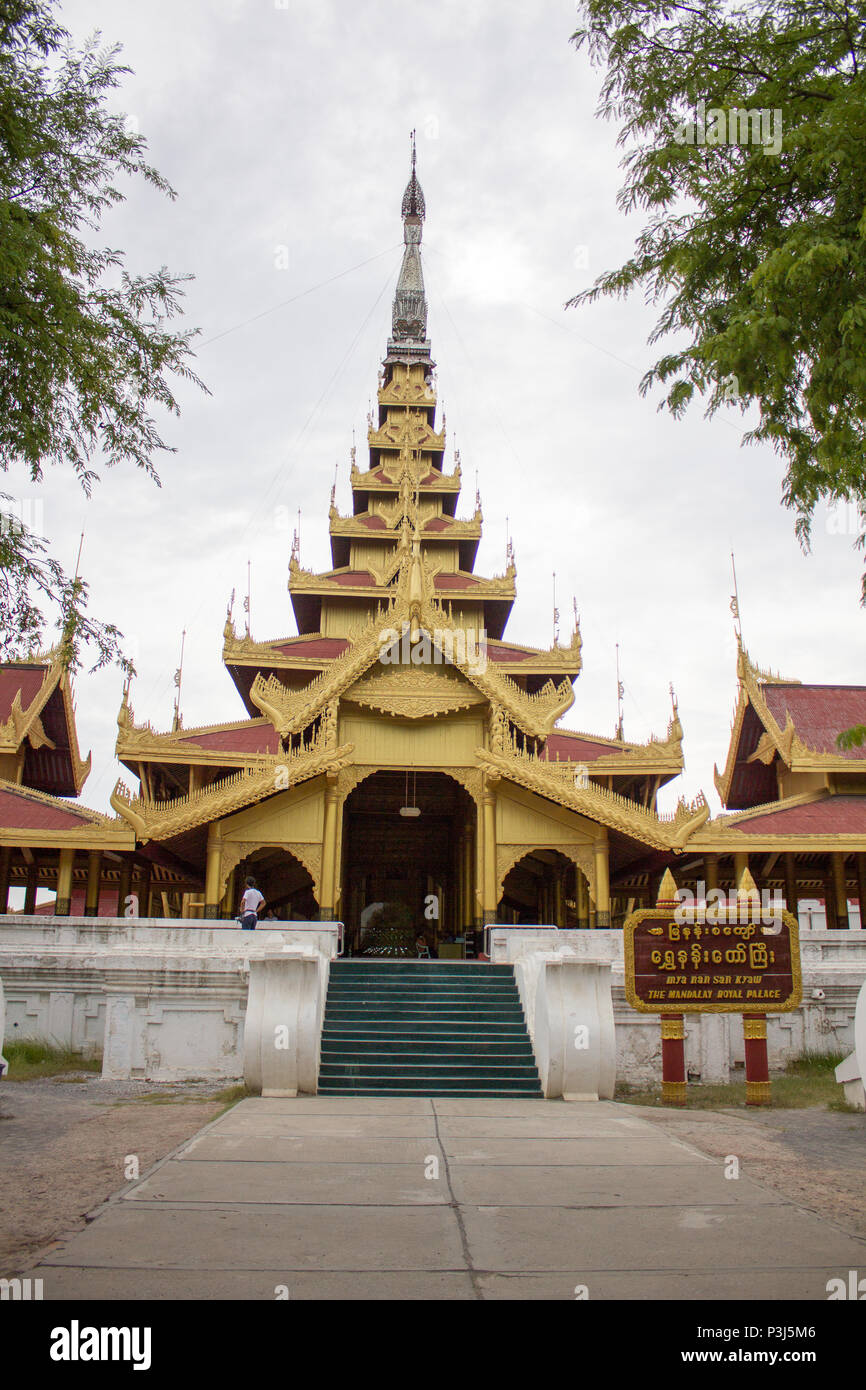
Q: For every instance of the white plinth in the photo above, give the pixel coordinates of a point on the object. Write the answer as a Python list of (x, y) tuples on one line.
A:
[(283, 1024), (574, 1038)]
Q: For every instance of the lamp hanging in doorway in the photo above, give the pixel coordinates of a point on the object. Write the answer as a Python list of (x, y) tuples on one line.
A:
[(413, 810)]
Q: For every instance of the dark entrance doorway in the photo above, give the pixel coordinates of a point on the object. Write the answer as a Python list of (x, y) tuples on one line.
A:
[(416, 864)]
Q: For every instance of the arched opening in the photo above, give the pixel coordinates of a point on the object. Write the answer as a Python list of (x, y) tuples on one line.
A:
[(420, 867), (286, 884), (545, 888)]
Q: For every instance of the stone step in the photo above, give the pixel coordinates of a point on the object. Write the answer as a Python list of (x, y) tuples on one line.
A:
[(430, 1085)]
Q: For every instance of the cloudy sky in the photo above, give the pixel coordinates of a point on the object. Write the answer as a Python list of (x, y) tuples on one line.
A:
[(284, 129)]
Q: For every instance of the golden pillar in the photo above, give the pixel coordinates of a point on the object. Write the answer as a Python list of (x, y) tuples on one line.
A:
[(212, 884), (63, 901), (91, 892), (489, 885), (5, 873), (711, 871), (741, 864), (478, 885), (328, 898), (840, 893), (559, 896), (582, 899), (602, 883), (468, 905)]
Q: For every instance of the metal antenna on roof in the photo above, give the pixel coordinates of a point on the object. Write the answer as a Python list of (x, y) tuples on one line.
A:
[(735, 605), (555, 614), (178, 678), (620, 693)]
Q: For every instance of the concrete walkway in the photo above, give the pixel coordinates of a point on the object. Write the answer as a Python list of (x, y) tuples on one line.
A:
[(445, 1199)]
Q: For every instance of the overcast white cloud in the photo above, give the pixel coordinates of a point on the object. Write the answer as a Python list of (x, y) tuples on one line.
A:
[(284, 128)]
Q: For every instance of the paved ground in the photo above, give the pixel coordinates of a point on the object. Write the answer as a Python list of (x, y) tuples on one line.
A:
[(446, 1199)]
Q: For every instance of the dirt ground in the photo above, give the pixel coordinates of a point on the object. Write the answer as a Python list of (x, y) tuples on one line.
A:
[(815, 1157), (64, 1146)]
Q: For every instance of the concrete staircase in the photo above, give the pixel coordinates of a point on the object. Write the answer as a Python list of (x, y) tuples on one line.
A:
[(425, 1028)]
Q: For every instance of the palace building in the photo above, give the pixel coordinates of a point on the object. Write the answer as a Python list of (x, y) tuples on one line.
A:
[(399, 749)]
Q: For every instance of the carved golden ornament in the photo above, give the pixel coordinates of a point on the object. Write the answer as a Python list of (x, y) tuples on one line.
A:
[(412, 598), (673, 1030), (597, 803), (160, 820), (754, 1030), (414, 692), (758, 1093)]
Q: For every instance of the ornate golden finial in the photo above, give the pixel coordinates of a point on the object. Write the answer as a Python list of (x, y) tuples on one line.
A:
[(620, 696), (747, 888), (668, 892)]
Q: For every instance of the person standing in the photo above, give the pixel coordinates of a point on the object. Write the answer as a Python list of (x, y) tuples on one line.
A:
[(251, 904)]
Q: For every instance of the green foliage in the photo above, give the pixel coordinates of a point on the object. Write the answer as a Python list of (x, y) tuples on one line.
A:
[(852, 738), (85, 351), (31, 1058), (757, 258)]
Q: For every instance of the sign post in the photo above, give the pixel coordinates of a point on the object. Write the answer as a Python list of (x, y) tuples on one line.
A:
[(713, 957)]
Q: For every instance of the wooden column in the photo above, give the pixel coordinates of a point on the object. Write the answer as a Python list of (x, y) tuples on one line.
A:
[(91, 892), (602, 884), (63, 901), (673, 1059), (840, 894), (741, 864), (327, 903), (711, 871), (791, 902), (30, 890), (559, 896), (757, 1068), (478, 876), (829, 897), (5, 873), (144, 891), (124, 887)]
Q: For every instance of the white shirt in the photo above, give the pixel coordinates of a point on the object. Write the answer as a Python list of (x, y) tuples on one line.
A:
[(250, 900)]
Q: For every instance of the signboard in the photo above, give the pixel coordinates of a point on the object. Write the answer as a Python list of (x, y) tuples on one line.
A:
[(690, 960)]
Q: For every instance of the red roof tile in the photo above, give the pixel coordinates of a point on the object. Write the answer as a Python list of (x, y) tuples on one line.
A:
[(508, 654), (21, 812), (354, 579), (455, 581), (574, 748), (819, 712), (326, 647), (833, 815), (252, 738), (27, 679), (374, 523), (438, 523)]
